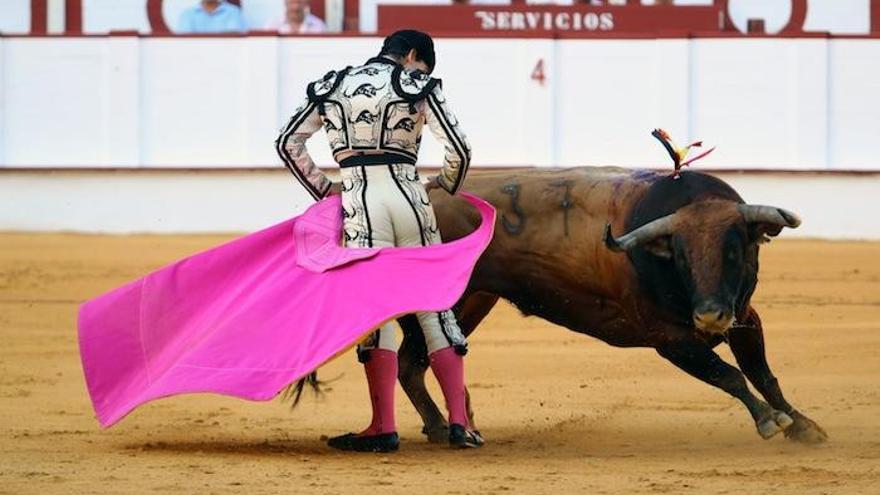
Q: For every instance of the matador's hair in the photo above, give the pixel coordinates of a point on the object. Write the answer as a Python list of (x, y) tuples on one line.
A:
[(401, 42)]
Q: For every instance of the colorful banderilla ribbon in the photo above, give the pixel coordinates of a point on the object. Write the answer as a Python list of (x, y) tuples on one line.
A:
[(679, 155)]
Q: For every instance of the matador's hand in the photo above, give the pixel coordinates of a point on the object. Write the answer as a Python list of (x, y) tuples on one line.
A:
[(335, 188), (432, 184)]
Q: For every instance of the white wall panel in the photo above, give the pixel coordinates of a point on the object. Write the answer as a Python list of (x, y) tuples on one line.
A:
[(810, 83), (261, 99), (194, 102), (612, 94), (855, 104), (506, 114), (122, 108), (54, 98), (745, 99), (674, 88)]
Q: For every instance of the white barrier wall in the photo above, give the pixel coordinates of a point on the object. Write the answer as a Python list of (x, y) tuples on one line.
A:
[(833, 206), (194, 102)]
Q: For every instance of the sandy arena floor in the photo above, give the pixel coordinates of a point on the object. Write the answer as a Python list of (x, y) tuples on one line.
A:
[(562, 413)]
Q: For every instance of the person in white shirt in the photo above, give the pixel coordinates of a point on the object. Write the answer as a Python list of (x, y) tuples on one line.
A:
[(297, 20)]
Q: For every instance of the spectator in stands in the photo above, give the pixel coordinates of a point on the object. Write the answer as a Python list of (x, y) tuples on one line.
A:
[(298, 20), (212, 16)]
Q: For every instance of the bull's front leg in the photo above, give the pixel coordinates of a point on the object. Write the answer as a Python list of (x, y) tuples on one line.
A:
[(700, 361), (747, 343)]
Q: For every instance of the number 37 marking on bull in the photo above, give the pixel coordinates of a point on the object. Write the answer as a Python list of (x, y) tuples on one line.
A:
[(514, 220)]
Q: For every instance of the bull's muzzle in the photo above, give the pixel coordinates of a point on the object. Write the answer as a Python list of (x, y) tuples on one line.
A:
[(712, 317)]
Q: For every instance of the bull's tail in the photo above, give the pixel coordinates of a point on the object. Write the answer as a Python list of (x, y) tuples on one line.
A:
[(293, 392)]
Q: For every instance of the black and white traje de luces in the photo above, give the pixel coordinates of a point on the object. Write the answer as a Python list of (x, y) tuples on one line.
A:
[(373, 116)]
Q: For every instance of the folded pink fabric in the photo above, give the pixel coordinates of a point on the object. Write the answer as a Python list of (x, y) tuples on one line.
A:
[(249, 317)]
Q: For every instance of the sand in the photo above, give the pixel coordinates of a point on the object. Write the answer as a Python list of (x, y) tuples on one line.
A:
[(562, 413)]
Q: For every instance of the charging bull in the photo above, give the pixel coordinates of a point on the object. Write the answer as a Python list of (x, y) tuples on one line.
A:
[(634, 258)]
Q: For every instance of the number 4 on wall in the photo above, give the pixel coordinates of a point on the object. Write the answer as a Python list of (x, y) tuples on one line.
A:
[(538, 72)]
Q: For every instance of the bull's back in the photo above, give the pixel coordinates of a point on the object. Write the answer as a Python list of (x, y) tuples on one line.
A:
[(528, 197), (549, 225)]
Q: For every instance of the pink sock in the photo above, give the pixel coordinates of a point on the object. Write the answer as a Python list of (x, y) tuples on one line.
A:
[(448, 367), (381, 377)]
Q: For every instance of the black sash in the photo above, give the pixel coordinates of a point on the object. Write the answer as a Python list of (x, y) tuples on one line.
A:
[(375, 159)]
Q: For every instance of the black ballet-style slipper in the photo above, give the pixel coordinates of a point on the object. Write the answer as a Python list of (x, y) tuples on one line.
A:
[(462, 438)]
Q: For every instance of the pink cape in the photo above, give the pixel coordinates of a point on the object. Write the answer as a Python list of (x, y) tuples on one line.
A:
[(248, 317)]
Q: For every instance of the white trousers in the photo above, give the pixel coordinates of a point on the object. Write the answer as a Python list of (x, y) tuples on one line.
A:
[(386, 205)]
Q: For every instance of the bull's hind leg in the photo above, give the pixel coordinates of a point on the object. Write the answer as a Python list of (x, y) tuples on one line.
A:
[(700, 361), (747, 344), (413, 355), (413, 363)]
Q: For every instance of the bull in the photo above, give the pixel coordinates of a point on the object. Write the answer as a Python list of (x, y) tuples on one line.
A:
[(634, 258)]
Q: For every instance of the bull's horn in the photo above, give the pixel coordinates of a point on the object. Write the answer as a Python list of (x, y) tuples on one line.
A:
[(769, 214), (646, 233)]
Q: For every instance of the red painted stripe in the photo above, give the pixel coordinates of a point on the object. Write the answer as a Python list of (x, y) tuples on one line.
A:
[(156, 18), (797, 19), (39, 16), (875, 16), (351, 16), (319, 8), (73, 16)]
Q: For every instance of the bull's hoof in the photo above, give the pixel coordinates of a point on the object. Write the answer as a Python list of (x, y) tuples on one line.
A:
[(773, 423), (805, 430), (437, 434)]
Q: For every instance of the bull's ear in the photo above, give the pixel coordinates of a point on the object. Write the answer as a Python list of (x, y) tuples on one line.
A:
[(762, 232), (660, 247)]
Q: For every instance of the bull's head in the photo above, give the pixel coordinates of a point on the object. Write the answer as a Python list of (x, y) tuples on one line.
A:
[(711, 248)]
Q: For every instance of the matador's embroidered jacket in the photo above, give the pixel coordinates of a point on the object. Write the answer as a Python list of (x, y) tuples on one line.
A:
[(376, 109)]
